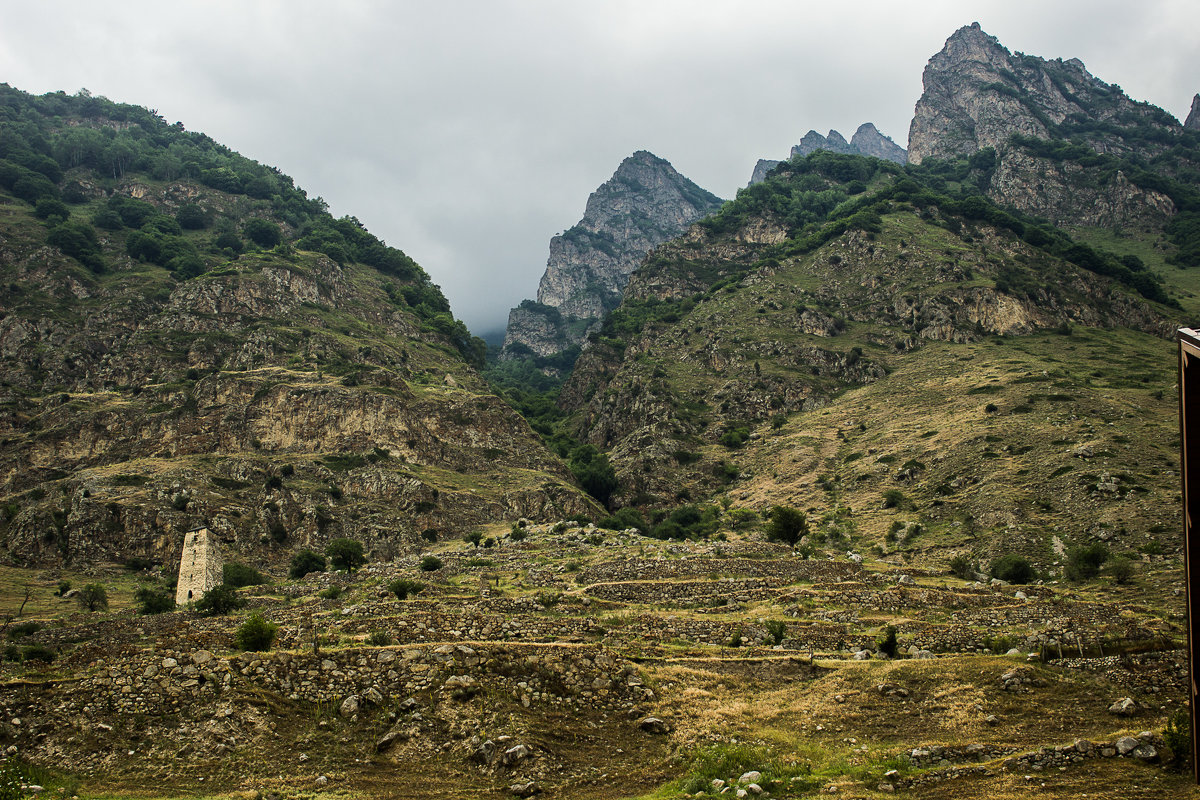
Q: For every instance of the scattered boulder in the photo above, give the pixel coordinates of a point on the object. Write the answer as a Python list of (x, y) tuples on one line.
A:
[(528, 789), (1125, 707), (654, 725), (396, 734), (349, 706), (515, 755)]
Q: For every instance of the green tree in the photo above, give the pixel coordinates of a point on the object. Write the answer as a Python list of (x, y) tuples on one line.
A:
[(93, 597), (218, 600), (78, 240), (262, 232), (255, 634), (593, 472), (192, 217), (1084, 562), (787, 525), (229, 241), (304, 562), (345, 554), (49, 207)]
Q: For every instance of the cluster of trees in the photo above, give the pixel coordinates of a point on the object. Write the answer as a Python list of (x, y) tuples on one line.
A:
[(802, 192)]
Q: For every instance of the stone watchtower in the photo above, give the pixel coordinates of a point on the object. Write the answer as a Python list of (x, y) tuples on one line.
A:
[(199, 566)]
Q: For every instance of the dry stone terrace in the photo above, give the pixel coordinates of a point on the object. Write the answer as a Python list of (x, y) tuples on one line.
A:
[(577, 622)]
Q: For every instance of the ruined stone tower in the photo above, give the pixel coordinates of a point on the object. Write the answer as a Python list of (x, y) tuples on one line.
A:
[(199, 566)]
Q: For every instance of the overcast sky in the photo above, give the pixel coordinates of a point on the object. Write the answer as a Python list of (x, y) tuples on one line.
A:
[(468, 133)]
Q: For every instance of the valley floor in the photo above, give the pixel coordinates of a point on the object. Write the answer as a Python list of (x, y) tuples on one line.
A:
[(582, 663)]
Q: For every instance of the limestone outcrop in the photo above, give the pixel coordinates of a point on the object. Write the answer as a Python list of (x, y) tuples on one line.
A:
[(645, 203), (1193, 117), (978, 94)]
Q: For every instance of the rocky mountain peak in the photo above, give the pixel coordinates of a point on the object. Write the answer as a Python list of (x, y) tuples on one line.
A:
[(1193, 117), (644, 203), (978, 93), (868, 141)]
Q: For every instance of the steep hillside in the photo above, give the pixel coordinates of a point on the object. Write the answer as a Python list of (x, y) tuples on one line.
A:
[(643, 204), (190, 340), (753, 324)]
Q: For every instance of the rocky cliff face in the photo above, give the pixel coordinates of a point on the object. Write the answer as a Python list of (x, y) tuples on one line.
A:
[(866, 141), (978, 94), (645, 203), (1067, 193), (1193, 117)]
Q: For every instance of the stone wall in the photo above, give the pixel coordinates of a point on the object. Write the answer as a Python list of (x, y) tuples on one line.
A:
[(168, 681)]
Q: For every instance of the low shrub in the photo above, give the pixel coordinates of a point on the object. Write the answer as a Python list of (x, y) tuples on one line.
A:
[(430, 563), (93, 597), (1084, 562), (404, 587), (379, 639), (24, 629), (239, 575), (961, 566), (218, 600), (255, 634), (888, 644), (1121, 569), (153, 600), (1014, 569)]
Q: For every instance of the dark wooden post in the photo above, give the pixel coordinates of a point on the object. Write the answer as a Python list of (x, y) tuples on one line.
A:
[(1189, 449)]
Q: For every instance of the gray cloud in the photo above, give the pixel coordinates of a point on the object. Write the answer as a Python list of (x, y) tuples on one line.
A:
[(468, 133)]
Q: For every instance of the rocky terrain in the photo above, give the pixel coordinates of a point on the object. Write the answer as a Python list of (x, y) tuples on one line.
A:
[(281, 396), (573, 661), (865, 483), (645, 203)]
